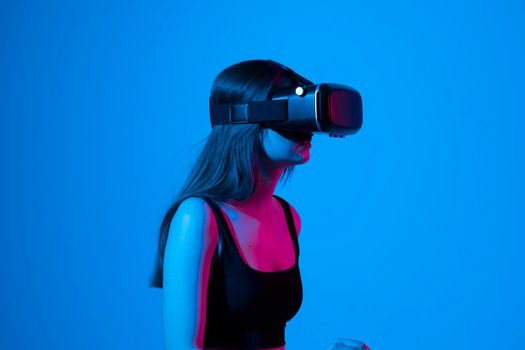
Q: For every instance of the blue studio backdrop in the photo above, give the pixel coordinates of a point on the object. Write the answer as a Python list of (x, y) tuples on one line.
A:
[(413, 229)]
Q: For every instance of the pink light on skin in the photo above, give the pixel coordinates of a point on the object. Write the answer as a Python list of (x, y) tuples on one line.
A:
[(304, 149), (305, 143)]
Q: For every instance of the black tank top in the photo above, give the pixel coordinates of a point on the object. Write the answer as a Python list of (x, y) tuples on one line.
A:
[(247, 308)]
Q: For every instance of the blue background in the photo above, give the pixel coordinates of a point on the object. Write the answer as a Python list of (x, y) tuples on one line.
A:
[(413, 229)]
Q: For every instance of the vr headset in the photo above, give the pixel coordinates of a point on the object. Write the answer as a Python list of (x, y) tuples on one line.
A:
[(333, 109)]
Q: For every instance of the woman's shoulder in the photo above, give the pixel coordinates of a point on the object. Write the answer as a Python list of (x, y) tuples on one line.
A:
[(296, 216), (195, 219), (194, 207)]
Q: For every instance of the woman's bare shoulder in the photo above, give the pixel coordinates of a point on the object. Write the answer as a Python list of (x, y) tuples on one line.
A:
[(194, 216)]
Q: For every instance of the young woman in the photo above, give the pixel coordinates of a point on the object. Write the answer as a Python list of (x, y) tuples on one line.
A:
[(228, 250)]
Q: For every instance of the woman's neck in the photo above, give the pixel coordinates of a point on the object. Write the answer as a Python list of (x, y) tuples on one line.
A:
[(261, 203)]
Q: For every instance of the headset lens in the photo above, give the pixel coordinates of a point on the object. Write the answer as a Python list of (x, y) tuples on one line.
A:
[(344, 107)]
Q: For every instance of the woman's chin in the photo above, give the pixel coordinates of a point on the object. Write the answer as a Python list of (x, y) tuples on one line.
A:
[(303, 156)]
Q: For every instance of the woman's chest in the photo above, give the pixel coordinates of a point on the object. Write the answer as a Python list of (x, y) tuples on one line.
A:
[(264, 245)]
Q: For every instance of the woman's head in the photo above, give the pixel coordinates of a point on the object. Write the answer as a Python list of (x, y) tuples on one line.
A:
[(227, 167), (255, 80)]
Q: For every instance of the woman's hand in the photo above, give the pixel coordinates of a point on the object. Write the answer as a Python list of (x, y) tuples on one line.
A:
[(346, 343)]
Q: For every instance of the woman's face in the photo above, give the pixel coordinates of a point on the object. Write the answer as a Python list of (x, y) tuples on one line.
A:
[(286, 148)]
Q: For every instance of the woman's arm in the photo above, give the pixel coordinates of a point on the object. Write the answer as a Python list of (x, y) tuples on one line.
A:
[(191, 243)]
